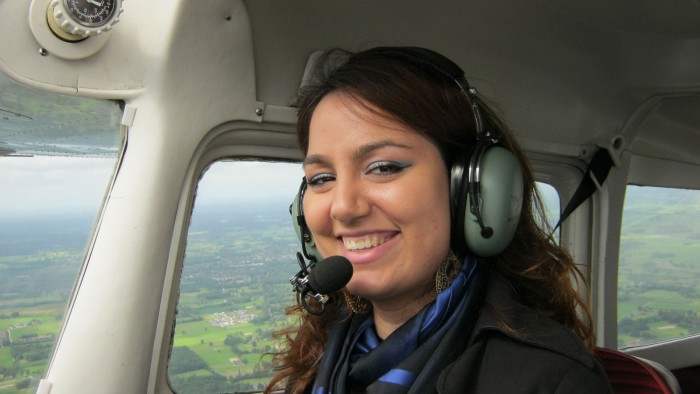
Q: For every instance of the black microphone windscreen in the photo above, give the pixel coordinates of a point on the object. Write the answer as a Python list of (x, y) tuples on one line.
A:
[(330, 274)]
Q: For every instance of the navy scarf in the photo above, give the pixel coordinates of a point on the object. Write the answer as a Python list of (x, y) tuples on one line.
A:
[(412, 357)]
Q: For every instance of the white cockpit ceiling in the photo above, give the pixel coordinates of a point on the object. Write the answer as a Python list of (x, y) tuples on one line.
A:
[(566, 75)]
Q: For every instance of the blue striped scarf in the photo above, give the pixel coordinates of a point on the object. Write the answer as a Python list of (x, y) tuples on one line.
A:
[(412, 357)]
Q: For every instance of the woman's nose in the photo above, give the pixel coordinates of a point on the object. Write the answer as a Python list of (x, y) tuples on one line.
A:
[(350, 202)]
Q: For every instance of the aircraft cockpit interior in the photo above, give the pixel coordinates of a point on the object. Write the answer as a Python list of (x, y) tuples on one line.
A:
[(149, 164)]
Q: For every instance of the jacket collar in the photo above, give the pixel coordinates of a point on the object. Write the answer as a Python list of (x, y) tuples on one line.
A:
[(504, 314)]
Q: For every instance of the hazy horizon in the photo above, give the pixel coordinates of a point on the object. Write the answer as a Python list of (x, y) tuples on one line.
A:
[(39, 186)]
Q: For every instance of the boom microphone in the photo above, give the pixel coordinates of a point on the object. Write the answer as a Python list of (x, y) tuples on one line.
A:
[(331, 274), (320, 279)]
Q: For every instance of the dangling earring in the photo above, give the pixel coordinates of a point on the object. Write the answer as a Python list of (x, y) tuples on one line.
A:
[(357, 304), (447, 271)]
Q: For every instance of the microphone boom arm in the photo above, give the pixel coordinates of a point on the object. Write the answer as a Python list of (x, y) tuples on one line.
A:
[(300, 284)]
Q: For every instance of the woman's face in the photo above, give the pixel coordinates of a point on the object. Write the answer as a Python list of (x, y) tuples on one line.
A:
[(378, 195)]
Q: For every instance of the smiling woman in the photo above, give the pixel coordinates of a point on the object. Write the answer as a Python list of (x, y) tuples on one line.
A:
[(415, 181)]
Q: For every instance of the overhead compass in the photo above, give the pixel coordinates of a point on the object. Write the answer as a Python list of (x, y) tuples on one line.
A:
[(76, 20)]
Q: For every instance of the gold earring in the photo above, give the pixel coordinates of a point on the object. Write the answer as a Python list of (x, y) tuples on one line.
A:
[(357, 304), (447, 271)]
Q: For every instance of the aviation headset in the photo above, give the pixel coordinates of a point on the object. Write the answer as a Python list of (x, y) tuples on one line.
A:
[(486, 183)]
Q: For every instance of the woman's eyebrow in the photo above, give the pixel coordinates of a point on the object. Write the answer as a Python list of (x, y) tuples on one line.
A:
[(366, 149), (357, 154), (315, 159)]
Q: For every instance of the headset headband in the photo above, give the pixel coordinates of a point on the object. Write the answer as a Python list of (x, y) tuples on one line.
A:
[(445, 67)]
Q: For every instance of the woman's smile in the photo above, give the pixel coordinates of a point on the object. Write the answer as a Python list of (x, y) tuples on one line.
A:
[(365, 242), (369, 248)]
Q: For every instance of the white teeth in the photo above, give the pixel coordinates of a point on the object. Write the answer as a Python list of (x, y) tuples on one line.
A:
[(363, 243)]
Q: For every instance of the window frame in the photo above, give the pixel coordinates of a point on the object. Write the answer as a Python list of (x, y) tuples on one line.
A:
[(229, 141)]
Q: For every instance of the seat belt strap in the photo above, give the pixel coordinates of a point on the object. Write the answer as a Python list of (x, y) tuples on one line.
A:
[(595, 175)]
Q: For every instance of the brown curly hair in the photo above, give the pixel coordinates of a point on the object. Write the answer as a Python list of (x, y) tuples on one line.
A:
[(540, 272)]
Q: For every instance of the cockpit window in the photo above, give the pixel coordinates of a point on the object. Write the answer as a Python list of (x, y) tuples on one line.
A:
[(234, 285), (57, 154), (659, 266), (552, 207)]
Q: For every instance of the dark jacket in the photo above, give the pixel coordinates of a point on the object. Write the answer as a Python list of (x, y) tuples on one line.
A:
[(537, 355)]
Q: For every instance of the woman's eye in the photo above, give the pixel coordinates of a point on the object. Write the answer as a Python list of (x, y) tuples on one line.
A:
[(320, 179), (386, 168)]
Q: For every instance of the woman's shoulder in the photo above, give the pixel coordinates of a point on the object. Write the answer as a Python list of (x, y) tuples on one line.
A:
[(514, 349), (502, 364), (503, 316)]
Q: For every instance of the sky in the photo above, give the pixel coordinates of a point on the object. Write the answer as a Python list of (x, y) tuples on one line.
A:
[(50, 185), (46, 185), (225, 181)]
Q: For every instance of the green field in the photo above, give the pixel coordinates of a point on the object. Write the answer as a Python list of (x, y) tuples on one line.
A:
[(234, 289)]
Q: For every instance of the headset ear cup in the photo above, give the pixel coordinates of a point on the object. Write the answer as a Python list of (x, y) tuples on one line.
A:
[(500, 201), (308, 245)]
